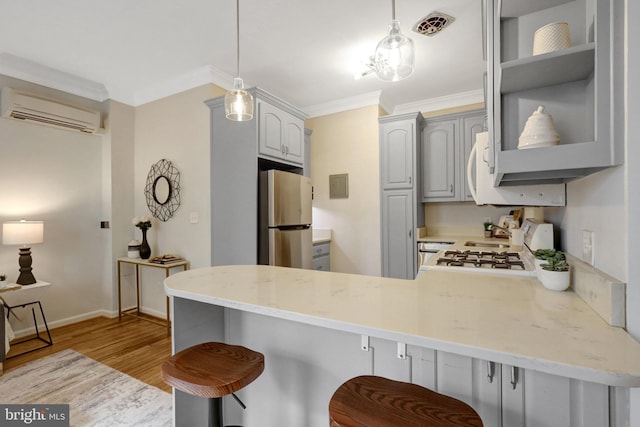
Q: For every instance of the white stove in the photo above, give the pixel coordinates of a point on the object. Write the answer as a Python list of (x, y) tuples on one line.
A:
[(503, 261), (485, 261)]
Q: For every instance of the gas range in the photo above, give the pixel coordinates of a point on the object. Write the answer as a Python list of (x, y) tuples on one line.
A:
[(503, 261), (485, 261)]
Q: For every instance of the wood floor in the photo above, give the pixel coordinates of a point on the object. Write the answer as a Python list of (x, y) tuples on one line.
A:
[(133, 346)]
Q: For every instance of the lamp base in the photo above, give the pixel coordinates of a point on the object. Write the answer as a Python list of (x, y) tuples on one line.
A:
[(26, 276)]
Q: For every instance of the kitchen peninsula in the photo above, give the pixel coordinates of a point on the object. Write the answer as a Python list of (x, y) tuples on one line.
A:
[(317, 329)]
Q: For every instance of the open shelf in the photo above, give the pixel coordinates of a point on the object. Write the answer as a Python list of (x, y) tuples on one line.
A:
[(548, 69)]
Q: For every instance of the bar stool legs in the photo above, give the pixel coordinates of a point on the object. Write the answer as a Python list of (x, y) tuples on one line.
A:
[(215, 412)]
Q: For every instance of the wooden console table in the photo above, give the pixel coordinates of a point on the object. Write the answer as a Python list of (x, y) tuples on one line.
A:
[(137, 262)]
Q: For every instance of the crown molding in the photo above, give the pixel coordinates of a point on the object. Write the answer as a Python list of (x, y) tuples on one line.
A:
[(376, 98), (24, 69), (441, 103), (189, 80), (351, 103)]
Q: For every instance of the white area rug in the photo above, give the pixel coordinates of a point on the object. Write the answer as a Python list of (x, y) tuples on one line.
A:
[(97, 394)]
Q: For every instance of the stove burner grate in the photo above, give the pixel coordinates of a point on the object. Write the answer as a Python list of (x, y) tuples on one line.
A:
[(481, 259)]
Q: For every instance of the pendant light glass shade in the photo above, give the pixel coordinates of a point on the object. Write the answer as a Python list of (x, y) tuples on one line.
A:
[(394, 58), (238, 103)]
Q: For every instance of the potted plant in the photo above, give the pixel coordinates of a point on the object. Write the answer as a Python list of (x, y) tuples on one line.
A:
[(555, 274), (541, 256), (487, 229), (144, 224), (3, 281)]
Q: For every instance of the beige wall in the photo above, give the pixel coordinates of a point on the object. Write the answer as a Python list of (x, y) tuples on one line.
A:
[(176, 128), (348, 143), (55, 175)]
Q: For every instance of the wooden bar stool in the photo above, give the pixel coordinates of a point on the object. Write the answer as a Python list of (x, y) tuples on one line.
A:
[(213, 370), (370, 401)]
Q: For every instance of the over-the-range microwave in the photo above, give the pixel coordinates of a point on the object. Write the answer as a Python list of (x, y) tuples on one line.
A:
[(485, 193)]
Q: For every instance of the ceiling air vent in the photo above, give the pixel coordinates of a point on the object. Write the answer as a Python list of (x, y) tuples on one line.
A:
[(433, 23)]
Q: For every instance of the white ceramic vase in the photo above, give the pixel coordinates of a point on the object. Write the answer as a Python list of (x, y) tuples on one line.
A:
[(555, 280), (3, 284), (539, 131)]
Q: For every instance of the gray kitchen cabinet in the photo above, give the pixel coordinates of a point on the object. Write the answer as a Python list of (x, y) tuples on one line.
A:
[(439, 168), (234, 175), (578, 86), (446, 145), (509, 396), (398, 234), (551, 400), (397, 154), (501, 394), (281, 133), (401, 212), (322, 256)]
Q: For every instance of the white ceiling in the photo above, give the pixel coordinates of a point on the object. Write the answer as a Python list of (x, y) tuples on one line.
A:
[(304, 51)]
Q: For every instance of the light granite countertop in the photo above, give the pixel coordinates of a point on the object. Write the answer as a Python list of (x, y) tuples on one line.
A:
[(603, 293), (510, 320)]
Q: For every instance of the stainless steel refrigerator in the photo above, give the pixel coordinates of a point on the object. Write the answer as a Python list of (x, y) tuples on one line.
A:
[(284, 235)]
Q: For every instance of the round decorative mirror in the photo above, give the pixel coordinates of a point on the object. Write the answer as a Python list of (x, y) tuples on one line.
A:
[(163, 190)]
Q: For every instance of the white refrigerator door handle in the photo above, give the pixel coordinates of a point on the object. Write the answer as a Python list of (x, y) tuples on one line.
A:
[(470, 162)]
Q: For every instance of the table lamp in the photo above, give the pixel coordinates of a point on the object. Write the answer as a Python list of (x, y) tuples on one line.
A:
[(25, 233)]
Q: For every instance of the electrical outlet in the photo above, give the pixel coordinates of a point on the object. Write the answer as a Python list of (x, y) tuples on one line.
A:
[(588, 253)]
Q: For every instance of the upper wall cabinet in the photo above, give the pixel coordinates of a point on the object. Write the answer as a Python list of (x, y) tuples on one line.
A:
[(398, 151), (281, 133), (580, 86), (438, 164), (446, 146)]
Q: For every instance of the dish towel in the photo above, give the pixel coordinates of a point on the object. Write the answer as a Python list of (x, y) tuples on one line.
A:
[(9, 335)]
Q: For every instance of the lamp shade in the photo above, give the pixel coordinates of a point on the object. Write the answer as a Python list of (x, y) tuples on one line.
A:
[(22, 232), (238, 103)]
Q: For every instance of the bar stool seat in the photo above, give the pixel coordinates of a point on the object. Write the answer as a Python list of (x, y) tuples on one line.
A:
[(371, 401), (213, 370)]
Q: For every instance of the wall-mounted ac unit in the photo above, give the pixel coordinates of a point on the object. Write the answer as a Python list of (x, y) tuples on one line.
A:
[(21, 105)]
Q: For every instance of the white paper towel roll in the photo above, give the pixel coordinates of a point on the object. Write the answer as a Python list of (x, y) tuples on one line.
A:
[(516, 240)]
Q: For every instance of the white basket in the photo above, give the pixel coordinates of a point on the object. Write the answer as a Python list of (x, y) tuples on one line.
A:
[(551, 37)]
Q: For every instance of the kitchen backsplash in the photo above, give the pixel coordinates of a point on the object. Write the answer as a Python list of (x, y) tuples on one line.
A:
[(460, 218)]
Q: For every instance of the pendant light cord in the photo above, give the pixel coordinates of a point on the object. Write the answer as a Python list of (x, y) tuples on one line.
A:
[(393, 10), (237, 38)]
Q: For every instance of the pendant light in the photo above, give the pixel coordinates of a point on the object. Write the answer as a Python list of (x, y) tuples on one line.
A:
[(394, 57), (238, 103)]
